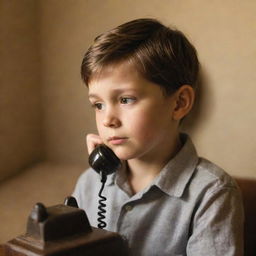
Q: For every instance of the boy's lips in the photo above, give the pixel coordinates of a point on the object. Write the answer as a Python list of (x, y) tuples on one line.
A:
[(117, 140)]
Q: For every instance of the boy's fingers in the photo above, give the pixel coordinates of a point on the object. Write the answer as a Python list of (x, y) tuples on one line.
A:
[(92, 140)]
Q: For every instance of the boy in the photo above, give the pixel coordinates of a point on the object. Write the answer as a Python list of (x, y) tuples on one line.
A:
[(164, 200)]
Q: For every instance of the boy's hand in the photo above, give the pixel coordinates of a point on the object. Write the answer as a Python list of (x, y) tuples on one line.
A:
[(92, 141)]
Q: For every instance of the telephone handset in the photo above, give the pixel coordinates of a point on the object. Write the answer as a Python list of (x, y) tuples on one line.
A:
[(104, 161)]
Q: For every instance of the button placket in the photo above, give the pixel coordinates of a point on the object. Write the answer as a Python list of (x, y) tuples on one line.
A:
[(121, 223)]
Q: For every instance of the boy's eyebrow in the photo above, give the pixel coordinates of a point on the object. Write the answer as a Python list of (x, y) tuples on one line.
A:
[(92, 95), (115, 91)]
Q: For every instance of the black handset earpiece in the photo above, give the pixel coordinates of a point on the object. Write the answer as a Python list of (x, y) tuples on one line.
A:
[(104, 161)]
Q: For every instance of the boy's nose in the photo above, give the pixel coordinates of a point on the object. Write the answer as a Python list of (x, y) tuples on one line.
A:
[(111, 121)]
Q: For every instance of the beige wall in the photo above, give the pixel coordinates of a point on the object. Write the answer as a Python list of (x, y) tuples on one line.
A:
[(224, 33), (44, 110), (20, 106)]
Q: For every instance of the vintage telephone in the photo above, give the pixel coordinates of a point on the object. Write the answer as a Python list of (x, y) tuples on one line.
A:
[(104, 161), (64, 229)]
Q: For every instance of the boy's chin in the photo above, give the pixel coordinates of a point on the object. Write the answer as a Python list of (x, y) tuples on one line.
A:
[(124, 155)]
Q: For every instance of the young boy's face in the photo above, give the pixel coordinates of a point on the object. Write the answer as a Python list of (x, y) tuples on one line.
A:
[(133, 116)]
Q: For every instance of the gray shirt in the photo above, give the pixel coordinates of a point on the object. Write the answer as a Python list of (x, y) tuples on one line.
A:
[(191, 208)]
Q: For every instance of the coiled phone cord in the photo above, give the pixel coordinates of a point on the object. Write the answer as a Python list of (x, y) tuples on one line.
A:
[(104, 161), (101, 213)]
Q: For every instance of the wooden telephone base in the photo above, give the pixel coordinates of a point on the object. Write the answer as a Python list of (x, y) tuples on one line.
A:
[(63, 230)]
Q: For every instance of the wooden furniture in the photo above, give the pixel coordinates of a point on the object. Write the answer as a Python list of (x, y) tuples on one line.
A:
[(248, 189), (1, 250)]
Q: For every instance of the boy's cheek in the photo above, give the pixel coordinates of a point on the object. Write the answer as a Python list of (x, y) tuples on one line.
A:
[(141, 131)]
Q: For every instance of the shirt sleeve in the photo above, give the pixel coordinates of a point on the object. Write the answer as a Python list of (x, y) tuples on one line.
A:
[(217, 227), (77, 193), (86, 188)]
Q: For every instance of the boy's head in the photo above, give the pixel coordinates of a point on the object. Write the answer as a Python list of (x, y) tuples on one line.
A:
[(161, 55), (140, 77)]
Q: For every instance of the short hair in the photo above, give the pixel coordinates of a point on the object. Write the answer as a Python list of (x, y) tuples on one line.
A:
[(160, 54)]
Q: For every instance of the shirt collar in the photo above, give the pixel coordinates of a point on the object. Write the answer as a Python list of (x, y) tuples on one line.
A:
[(173, 178), (119, 176), (176, 174)]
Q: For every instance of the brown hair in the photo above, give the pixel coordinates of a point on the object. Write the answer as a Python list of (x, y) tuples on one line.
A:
[(161, 55)]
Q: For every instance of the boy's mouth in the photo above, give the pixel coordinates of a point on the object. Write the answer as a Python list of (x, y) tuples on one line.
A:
[(117, 140)]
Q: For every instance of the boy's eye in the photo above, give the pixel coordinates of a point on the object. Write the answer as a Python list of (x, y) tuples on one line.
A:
[(98, 106), (127, 100)]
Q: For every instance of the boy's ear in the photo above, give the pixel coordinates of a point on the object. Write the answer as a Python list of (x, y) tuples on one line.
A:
[(184, 100)]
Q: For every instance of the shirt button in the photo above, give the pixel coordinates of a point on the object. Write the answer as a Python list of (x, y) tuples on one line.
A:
[(128, 207)]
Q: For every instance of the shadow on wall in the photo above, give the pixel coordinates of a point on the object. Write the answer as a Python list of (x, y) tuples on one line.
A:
[(203, 106)]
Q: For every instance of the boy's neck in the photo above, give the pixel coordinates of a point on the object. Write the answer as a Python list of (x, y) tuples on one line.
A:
[(141, 172)]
